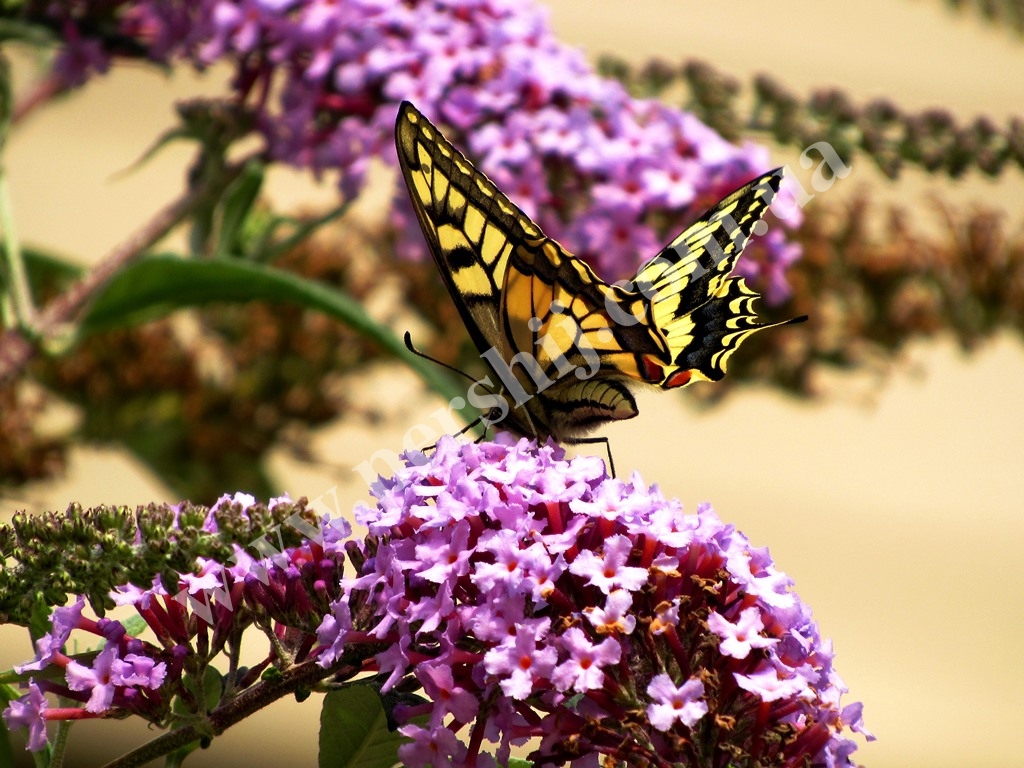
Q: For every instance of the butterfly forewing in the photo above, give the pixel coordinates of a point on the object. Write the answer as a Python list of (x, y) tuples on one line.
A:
[(694, 266), (470, 226)]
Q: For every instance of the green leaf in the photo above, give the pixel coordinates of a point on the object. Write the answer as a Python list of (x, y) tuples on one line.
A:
[(46, 265), (238, 201), (164, 139), (159, 285), (213, 687), (303, 229), (48, 273), (25, 32), (353, 731), (6, 748), (177, 758), (134, 625)]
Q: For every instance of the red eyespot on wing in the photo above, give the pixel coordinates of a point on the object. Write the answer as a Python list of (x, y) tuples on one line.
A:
[(653, 370), (677, 379)]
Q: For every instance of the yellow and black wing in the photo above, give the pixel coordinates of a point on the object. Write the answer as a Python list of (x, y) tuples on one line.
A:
[(565, 344), (543, 312), (470, 226), (700, 309)]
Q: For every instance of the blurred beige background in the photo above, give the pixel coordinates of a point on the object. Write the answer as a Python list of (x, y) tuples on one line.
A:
[(895, 504)]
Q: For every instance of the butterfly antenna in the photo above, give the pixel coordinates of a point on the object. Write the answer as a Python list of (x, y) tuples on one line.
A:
[(425, 356), (418, 353)]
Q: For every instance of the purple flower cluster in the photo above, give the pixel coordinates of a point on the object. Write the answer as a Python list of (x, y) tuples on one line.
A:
[(611, 176), (128, 675), (535, 597), (527, 596)]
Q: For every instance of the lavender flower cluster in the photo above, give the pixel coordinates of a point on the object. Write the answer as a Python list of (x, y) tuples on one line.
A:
[(213, 607), (611, 176), (528, 596), (535, 597)]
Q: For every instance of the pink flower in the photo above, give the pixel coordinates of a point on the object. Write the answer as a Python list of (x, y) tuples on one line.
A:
[(671, 703), (738, 639), (633, 591)]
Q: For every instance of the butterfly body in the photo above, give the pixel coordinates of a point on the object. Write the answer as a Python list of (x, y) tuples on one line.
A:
[(564, 347)]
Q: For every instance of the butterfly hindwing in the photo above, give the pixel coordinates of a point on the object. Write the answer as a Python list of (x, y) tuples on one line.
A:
[(704, 339), (558, 309), (702, 311)]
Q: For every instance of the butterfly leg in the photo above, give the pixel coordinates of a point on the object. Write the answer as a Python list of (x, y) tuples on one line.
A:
[(470, 426), (592, 441), (462, 431)]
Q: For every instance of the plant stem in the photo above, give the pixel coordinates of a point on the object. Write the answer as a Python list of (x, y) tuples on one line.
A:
[(16, 307), (223, 717), (16, 350), (60, 744), (21, 311)]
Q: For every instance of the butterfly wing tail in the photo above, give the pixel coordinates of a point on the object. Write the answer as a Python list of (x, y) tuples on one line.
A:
[(704, 339)]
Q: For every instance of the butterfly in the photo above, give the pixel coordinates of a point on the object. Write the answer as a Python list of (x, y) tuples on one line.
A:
[(565, 347)]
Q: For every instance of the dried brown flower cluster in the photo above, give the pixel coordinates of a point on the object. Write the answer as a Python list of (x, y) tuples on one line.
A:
[(200, 407), (931, 139), (24, 453), (1001, 12)]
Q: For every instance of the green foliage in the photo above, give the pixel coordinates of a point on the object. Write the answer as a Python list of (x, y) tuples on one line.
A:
[(48, 271), (159, 285), (353, 730), (236, 208), (7, 694)]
